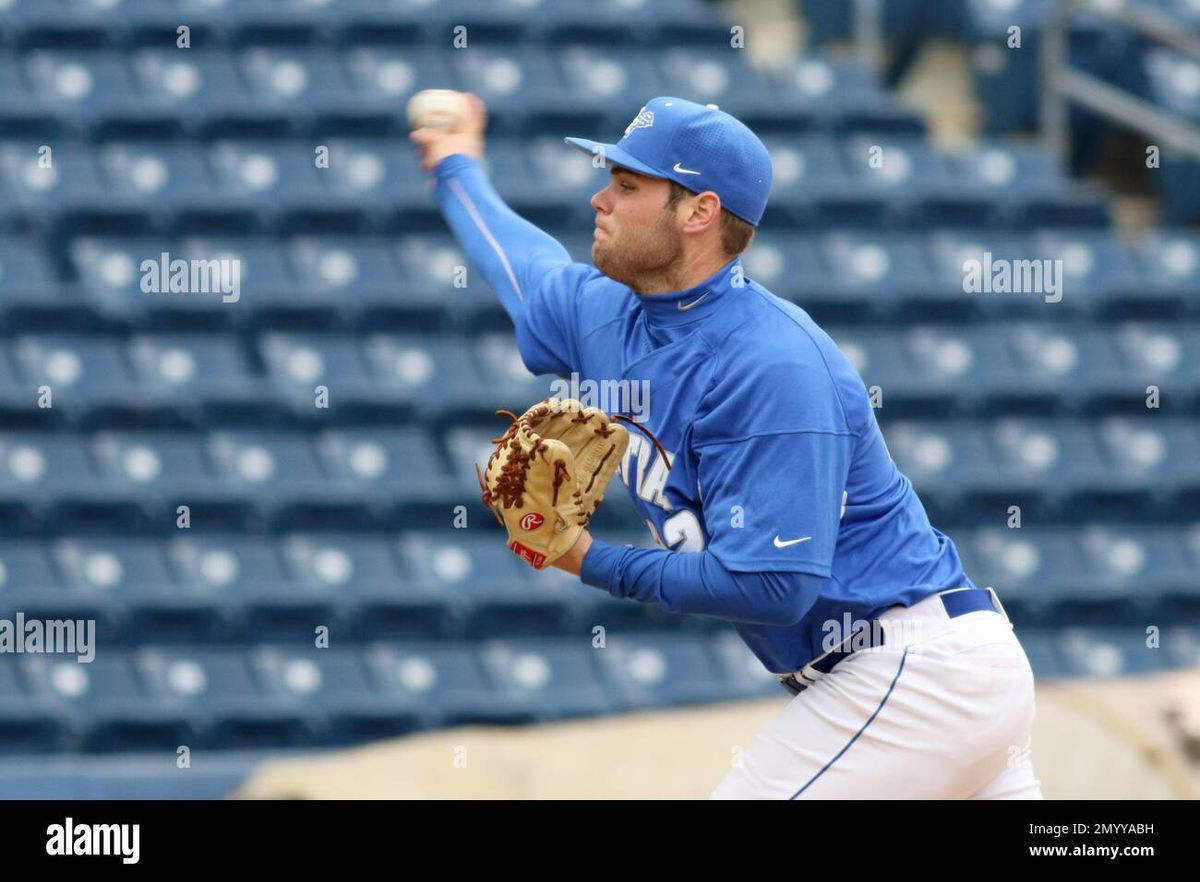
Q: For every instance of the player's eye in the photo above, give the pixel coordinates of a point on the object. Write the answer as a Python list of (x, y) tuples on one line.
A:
[(625, 188)]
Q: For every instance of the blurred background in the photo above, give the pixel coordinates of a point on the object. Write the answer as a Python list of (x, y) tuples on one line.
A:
[(297, 593)]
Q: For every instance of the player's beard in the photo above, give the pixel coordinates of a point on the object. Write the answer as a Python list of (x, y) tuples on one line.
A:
[(640, 257)]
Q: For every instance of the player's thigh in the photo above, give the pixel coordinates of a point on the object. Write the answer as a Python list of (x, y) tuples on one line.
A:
[(823, 727), (938, 721)]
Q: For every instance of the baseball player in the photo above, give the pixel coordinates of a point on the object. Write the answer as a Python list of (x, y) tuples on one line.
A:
[(778, 508)]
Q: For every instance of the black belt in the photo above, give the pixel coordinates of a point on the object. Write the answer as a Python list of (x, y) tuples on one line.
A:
[(957, 603)]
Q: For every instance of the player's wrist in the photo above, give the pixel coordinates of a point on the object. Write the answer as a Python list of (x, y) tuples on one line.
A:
[(572, 561)]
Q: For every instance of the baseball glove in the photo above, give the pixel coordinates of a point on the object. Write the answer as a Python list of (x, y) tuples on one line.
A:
[(548, 475)]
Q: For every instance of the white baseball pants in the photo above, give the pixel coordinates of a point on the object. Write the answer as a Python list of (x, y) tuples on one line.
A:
[(943, 710)]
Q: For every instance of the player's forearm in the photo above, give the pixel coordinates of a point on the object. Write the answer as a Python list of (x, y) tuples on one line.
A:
[(697, 583), (510, 251)]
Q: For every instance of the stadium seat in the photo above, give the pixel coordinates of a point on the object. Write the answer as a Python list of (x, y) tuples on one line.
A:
[(656, 670), (557, 675)]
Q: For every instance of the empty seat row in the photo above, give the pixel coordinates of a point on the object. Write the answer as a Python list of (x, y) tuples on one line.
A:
[(843, 275), (327, 378), (404, 22), (158, 698), (218, 586), (1063, 469), (381, 475), (232, 588), (208, 89), (820, 180), (339, 378)]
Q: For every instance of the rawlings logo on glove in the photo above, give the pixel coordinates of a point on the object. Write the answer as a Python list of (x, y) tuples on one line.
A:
[(548, 475)]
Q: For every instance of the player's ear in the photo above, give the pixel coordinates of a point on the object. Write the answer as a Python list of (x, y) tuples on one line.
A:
[(706, 210)]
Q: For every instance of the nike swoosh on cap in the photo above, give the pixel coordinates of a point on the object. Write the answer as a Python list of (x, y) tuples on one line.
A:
[(684, 171)]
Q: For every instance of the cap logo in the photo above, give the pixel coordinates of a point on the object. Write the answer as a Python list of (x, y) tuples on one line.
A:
[(644, 120)]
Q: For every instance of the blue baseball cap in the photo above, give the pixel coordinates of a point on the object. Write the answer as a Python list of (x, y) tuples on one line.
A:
[(698, 146)]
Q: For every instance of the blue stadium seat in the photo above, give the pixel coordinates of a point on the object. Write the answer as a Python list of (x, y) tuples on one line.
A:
[(742, 670), (516, 86), (1020, 186), (1042, 646), (297, 364), (1167, 356), (191, 90), (1181, 645), (217, 691), (391, 73), (27, 726), (386, 467), (1125, 571), (1026, 566), (1049, 464), (924, 370), (134, 579), (497, 594), (39, 470), (811, 185), (1186, 597), (1159, 458), (896, 164), (1064, 367), (435, 373), (273, 471), (209, 373), (103, 705), (1169, 275), (1099, 271), (632, 22), (379, 172), (53, 178), (25, 271), (707, 77), (83, 373), (662, 670), (882, 271), (331, 688), (160, 469), (435, 267), (150, 173), (269, 178), (607, 74), (77, 82), (557, 675), (833, 96), (446, 680), (937, 456), (950, 255), (1109, 652), (508, 378), (297, 76), (794, 267)]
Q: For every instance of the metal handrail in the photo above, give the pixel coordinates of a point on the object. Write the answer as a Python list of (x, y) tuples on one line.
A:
[(1063, 84)]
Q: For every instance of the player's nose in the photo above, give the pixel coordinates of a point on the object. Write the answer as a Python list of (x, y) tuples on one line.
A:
[(600, 200)]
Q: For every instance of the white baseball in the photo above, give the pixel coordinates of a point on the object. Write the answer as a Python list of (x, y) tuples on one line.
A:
[(436, 108)]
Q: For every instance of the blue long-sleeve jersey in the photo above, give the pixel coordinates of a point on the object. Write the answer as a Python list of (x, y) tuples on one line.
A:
[(780, 508)]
